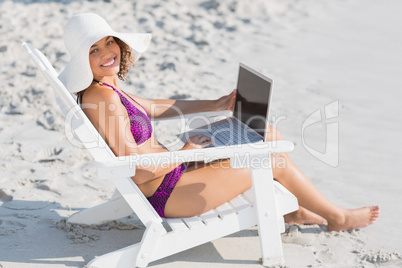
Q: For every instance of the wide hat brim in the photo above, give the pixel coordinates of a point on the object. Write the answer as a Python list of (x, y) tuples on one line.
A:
[(77, 75)]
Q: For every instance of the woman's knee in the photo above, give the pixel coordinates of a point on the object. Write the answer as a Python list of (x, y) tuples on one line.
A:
[(273, 134)]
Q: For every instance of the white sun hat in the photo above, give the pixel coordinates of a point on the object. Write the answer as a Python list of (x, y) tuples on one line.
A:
[(80, 33)]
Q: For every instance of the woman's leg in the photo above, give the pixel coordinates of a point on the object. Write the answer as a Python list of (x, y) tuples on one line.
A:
[(303, 216), (309, 197), (201, 189)]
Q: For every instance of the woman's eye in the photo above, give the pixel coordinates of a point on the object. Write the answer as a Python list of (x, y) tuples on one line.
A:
[(110, 42), (93, 51)]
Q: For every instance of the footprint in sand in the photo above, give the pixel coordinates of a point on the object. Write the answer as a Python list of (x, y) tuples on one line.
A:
[(49, 154), (48, 120), (380, 257), (9, 224), (326, 256)]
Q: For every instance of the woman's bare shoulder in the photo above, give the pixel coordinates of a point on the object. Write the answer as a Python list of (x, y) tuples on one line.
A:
[(96, 94)]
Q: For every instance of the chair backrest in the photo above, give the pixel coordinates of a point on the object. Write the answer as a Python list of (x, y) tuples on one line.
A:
[(83, 130), (86, 132)]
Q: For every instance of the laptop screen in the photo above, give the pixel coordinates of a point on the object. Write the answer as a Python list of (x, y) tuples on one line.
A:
[(254, 92)]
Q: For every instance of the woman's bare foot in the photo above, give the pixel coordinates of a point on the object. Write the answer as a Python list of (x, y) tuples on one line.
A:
[(303, 216), (355, 218)]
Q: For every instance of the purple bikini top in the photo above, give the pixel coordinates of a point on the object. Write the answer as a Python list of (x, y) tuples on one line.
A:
[(140, 124)]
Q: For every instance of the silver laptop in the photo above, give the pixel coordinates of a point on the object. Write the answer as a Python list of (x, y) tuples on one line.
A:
[(250, 115)]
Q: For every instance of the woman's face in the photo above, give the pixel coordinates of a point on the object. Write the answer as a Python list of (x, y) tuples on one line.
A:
[(104, 58)]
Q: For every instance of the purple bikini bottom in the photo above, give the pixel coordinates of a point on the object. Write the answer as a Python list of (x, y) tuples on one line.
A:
[(159, 198)]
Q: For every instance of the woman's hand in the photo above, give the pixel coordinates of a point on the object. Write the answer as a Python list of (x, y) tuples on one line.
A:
[(197, 142), (226, 102)]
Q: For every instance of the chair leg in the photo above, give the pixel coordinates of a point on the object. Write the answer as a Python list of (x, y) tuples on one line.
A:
[(268, 225), (148, 243), (137, 255), (106, 212)]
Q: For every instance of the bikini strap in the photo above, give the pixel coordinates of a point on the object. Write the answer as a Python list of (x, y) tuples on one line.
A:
[(136, 102), (102, 83)]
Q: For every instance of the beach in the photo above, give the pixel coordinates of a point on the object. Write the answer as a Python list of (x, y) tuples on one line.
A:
[(338, 59)]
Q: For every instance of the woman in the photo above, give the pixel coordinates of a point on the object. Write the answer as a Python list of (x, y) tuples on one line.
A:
[(99, 57)]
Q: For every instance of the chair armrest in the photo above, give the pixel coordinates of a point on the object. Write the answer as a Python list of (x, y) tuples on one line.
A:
[(239, 156)]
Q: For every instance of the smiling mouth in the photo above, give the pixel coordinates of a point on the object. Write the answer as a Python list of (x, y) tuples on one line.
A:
[(111, 62)]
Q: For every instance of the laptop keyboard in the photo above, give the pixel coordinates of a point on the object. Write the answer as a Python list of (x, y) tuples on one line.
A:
[(233, 132)]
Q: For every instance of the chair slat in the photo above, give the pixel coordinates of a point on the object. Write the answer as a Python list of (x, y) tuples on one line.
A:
[(194, 222), (225, 210), (239, 203), (249, 195), (210, 217), (176, 224)]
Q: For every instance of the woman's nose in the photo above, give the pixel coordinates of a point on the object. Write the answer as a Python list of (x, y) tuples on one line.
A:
[(105, 54)]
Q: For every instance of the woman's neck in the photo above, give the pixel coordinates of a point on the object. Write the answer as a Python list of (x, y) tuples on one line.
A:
[(110, 80)]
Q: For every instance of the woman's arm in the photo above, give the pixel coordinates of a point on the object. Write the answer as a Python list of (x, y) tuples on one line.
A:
[(164, 108)]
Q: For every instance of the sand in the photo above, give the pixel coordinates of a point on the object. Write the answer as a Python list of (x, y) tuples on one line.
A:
[(344, 55)]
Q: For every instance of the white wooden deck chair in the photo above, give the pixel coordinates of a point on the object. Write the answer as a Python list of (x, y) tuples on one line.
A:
[(263, 205)]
